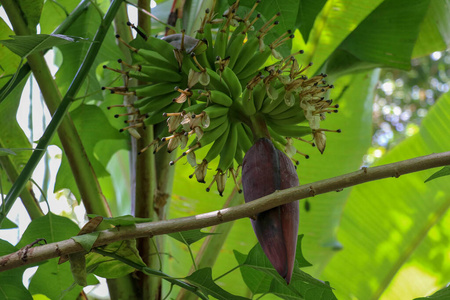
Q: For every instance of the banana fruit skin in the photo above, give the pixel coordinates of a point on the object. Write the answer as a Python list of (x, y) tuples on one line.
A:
[(266, 169)]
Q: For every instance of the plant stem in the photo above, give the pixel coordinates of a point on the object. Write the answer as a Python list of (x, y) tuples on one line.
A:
[(83, 172), (212, 245), (246, 210)]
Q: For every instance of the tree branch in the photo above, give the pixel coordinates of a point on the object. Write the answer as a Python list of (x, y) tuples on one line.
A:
[(338, 183)]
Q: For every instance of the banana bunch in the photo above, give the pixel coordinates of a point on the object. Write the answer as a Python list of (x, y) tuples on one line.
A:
[(216, 90)]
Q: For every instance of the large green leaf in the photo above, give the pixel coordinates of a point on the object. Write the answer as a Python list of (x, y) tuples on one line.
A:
[(54, 12), (87, 119), (394, 231), (343, 154), (434, 32), (333, 24), (73, 55), (387, 36)]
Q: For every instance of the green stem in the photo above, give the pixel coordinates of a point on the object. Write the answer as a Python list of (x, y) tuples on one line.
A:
[(27, 197), (212, 245), (259, 127), (155, 273), (93, 189), (228, 272)]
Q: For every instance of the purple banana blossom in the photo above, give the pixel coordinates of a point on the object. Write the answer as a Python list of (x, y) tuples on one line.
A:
[(266, 169)]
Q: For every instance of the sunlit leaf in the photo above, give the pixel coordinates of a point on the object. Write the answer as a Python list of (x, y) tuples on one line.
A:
[(393, 27), (9, 62), (394, 231), (8, 224)]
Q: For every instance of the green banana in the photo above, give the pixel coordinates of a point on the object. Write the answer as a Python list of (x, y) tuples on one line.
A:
[(259, 92), (213, 136), (289, 130), (254, 64), (246, 54), (195, 108), (244, 140), (218, 146), (208, 37), (216, 82), (162, 47), (151, 104), (218, 97), (239, 155), (290, 113), (227, 153), (248, 104), (282, 108), (215, 111), (234, 47), (157, 116), (232, 82), (152, 90), (155, 59), (270, 104), (216, 122), (157, 74), (296, 119), (220, 46)]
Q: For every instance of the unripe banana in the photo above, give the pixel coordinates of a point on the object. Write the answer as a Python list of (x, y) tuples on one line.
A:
[(217, 82), (152, 104), (162, 47), (220, 45), (215, 111), (244, 140), (158, 116), (157, 74), (289, 130), (220, 98), (215, 122), (232, 82), (245, 55), (234, 48), (155, 59), (228, 152), (257, 61), (219, 137), (248, 104), (152, 90)]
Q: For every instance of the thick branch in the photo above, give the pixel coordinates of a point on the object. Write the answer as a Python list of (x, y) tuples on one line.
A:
[(397, 169)]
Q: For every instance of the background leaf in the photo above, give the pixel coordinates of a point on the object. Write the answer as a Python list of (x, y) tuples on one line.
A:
[(393, 230), (31, 10), (10, 61)]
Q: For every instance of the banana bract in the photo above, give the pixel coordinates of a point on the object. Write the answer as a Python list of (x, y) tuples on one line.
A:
[(266, 169)]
